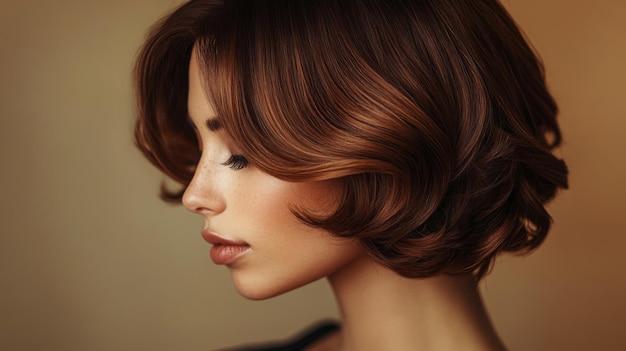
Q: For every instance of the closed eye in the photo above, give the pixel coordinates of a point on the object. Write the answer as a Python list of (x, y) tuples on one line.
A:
[(236, 162)]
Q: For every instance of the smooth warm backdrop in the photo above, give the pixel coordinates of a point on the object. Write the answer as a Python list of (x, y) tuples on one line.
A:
[(91, 260)]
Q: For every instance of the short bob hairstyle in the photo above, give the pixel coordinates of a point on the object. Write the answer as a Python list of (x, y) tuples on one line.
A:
[(433, 115)]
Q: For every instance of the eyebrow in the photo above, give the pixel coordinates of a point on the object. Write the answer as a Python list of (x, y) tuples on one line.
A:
[(213, 124)]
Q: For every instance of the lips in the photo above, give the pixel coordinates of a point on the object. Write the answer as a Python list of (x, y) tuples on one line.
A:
[(224, 251)]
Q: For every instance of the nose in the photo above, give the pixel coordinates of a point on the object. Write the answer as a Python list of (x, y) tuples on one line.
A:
[(203, 195)]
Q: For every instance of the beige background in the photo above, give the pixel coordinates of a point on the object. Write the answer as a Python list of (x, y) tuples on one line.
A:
[(91, 260)]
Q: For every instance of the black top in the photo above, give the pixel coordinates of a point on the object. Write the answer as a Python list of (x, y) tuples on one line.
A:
[(297, 343)]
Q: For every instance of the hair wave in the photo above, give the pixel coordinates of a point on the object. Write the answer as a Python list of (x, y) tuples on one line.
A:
[(434, 116)]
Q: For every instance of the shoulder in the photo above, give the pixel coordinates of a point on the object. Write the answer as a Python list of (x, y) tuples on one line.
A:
[(299, 342)]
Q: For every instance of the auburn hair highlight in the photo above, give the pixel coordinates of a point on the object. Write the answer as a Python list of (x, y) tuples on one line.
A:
[(433, 115)]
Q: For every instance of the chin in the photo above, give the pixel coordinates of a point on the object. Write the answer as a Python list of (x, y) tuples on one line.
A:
[(260, 291), (257, 295), (261, 288)]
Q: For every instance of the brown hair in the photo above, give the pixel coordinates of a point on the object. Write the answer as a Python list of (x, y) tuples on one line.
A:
[(433, 114)]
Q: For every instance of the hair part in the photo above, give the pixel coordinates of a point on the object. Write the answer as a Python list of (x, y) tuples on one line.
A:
[(433, 115)]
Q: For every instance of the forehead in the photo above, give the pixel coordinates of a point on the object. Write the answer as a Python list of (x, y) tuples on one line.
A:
[(199, 107)]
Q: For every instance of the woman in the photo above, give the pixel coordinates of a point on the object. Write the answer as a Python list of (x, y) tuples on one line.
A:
[(394, 147)]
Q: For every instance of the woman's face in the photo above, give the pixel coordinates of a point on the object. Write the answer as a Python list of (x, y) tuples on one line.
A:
[(247, 213)]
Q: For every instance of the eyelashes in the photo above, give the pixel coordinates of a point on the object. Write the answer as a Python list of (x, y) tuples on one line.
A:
[(236, 162)]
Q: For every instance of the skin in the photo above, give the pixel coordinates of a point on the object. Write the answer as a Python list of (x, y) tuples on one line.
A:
[(250, 206), (380, 310)]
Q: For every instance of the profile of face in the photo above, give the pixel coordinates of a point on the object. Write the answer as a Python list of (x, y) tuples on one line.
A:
[(248, 213)]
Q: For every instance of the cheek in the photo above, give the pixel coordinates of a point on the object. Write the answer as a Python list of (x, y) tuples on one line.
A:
[(286, 253), (266, 202), (262, 208), (279, 231)]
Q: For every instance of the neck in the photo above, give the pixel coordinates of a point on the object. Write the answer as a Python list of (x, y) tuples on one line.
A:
[(381, 310)]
